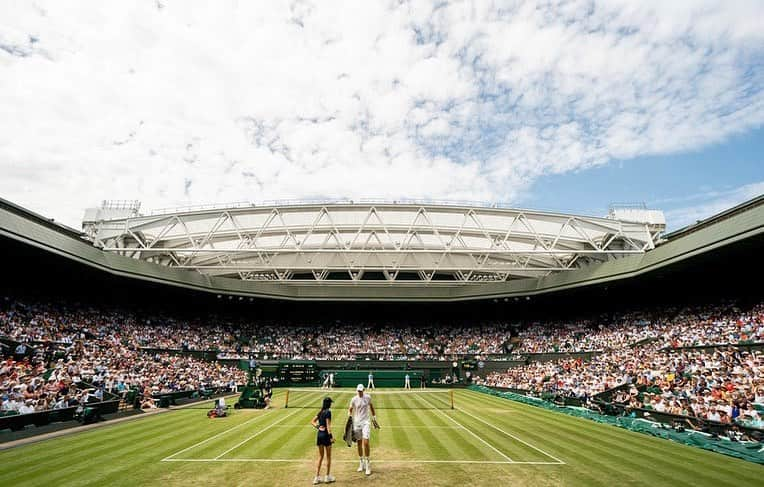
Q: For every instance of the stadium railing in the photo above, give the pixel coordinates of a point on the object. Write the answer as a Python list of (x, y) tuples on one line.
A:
[(607, 396), (17, 422), (550, 356), (167, 399), (397, 361), (747, 346), (644, 341)]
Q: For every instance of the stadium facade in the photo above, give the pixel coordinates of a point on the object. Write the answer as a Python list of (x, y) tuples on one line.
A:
[(403, 251)]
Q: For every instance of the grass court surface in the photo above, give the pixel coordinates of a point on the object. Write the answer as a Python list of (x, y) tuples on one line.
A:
[(484, 441)]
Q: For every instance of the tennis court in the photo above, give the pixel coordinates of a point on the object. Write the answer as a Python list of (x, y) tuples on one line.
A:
[(484, 440), (416, 427)]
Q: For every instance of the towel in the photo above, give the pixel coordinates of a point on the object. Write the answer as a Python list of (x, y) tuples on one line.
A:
[(348, 436)]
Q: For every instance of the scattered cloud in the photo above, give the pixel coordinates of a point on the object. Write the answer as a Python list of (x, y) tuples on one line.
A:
[(186, 102), (710, 203)]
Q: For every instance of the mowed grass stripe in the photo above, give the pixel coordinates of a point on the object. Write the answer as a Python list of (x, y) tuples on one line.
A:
[(130, 453), (260, 431), (26, 456), (71, 446), (478, 450), (588, 443), (664, 460), (473, 415), (307, 399), (659, 450), (425, 444), (80, 455), (539, 431), (212, 445), (413, 437), (62, 442), (518, 451), (599, 455), (611, 461), (146, 445), (294, 442), (492, 450), (286, 442), (398, 438), (459, 443), (448, 444), (242, 435)]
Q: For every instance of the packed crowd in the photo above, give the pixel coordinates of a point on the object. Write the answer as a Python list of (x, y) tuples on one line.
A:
[(240, 339), (112, 350), (680, 327), (388, 342), (71, 356), (720, 384)]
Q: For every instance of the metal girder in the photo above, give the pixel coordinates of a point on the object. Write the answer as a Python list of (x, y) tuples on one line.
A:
[(356, 242)]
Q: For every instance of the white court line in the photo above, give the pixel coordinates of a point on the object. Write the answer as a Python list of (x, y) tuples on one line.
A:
[(256, 434), (310, 460), (301, 425), (468, 430), (215, 436), (514, 437), (351, 391)]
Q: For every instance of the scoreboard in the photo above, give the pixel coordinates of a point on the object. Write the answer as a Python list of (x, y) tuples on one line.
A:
[(470, 364), (298, 372)]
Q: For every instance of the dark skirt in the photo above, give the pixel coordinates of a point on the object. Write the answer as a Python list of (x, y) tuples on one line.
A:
[(324, 439)]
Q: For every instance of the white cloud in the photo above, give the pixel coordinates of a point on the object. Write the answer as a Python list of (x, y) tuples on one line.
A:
[(711, 203), (177, 102)]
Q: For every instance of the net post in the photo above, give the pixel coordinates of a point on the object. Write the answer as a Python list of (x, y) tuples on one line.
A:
[(286, 400), (451, 393)]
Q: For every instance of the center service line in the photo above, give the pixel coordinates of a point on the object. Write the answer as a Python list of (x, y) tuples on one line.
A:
[(259, 432)]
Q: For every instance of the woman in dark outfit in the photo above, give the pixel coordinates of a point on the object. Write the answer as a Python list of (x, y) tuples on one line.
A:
[(323, 423)]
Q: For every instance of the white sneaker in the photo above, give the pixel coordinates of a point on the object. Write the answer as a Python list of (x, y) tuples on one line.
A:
[(316, 480), (361, 466), (329, 479), (368, 467)]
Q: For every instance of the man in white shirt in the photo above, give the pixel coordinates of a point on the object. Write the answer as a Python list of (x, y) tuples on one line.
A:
[(407, 383), (362, 411), (27, 407), (714, 415)]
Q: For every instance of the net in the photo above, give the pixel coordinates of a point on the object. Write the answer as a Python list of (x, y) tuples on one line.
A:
[(413, 399)]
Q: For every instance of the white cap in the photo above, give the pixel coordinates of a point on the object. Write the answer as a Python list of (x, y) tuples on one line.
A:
[(359, 387)]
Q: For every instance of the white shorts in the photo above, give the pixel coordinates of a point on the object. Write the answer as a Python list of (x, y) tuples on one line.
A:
[(362, 430)]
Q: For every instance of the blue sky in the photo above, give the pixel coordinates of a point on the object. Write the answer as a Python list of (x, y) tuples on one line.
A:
[(561, 104), (676, 183)]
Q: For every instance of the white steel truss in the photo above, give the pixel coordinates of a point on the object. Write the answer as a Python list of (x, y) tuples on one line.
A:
[(358, 243)]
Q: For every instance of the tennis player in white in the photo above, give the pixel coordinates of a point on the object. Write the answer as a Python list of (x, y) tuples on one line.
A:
[(360, 409)]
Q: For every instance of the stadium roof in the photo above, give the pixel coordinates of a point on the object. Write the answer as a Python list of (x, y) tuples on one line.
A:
[(360, 243), (484, 252)]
